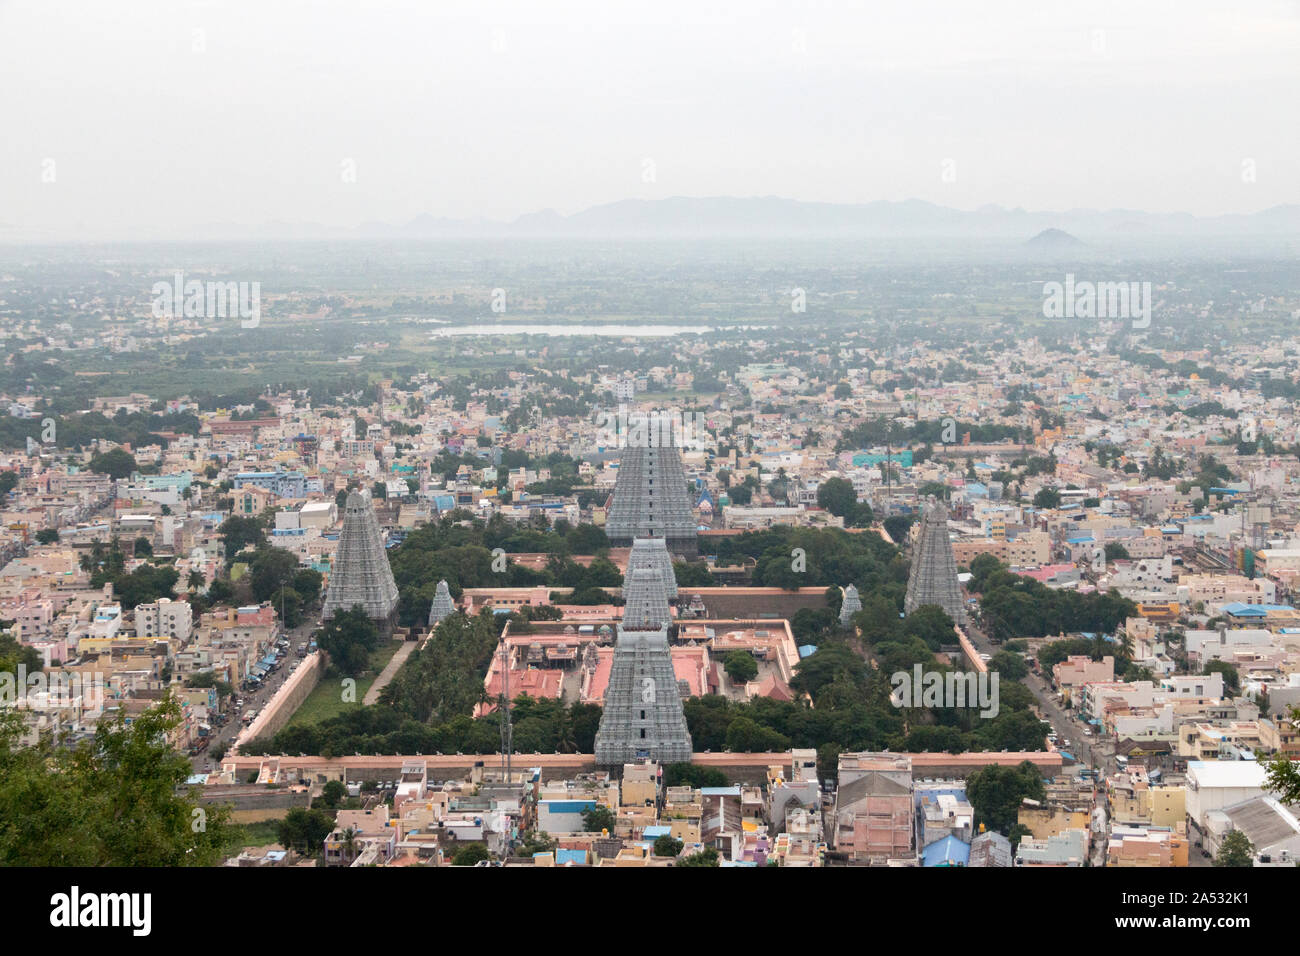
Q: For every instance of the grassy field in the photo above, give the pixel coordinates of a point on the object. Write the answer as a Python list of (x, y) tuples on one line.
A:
[(326, 700), (255, 834)]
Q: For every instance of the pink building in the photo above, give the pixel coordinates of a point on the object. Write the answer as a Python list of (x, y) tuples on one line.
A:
[(33, 617), (1080, 669), (874, 807)]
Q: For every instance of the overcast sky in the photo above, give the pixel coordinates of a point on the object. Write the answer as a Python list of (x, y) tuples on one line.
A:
[(150, 115)]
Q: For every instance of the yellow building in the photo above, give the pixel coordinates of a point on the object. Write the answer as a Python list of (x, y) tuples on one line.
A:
[(1162, 613), (1044, 821), (1279, 736), (682, 813), (1168, 806), (640, 785)]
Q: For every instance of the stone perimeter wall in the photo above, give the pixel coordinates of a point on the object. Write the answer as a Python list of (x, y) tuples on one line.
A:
[(287, 699)]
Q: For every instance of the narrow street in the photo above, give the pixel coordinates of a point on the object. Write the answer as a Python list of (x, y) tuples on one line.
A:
[(254, 700), (1092, 752)]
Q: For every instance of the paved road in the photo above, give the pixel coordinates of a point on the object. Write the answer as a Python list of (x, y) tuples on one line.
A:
[(1090, 751), (254, 700), (394, 664), (1096, 753)]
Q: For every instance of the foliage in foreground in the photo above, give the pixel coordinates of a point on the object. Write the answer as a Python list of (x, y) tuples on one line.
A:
[(115, 800)]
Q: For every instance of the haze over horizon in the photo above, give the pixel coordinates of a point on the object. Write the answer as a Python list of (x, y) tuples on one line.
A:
[(144, 121)]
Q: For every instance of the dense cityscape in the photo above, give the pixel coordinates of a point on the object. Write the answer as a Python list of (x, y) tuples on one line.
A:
[(936, 578), (853, 438)]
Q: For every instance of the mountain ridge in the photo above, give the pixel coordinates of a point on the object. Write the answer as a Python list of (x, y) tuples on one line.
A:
[(690, 217)]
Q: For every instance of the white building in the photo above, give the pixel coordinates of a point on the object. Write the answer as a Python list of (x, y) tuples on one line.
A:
[(1217, 784), (164, 618)]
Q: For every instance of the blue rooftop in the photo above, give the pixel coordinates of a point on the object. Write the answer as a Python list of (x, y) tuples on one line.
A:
[(947, 852), (569, 806), (1238, 609)]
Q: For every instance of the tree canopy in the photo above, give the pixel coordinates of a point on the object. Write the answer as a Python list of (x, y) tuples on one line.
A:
[(115, 800)]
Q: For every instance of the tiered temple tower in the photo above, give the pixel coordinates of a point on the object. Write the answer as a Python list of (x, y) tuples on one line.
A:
[(650, 496), (645, 599), (851, 605), (642, 715), (361, 574), (653, 553), (442, 606), (933, 578)]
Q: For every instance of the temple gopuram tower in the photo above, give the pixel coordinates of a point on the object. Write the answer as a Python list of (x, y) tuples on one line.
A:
[(653, 553), (933, 578), (650, 495), (642, 716), (442, 606), (360, 574), (851, 605)]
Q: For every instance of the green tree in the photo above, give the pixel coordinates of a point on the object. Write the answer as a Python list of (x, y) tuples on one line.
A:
[(1235, 850), (470, 854), (745, 735), (692, 574), (996, 793), (896, 527), (586, 539), (118, 799), (288, 603), (740, 666), (837, 496), (1283, 774), (305, 830), (348, 638), (13, 653), (706, 857), (332, 794), (1231, 680), (145, 584), (667, 845), (209, 679), (116, 463), (1010, 666), (239, 532), (1047, 498), (693, 775), (534, 842), (931, 624), (307, 582), (272, 569), (597, 818)]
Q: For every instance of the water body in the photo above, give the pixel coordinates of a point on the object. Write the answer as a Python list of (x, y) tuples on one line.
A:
[(606, 331)]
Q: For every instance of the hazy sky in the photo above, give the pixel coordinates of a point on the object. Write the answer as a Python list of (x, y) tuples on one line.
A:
[(153, 115)]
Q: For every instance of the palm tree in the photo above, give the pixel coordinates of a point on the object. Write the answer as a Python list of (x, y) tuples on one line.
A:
[(564, 737)]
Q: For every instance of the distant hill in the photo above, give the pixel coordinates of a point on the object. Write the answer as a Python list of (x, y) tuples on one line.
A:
[(763, 217), (1052, 239)]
